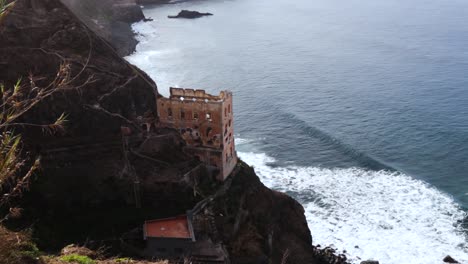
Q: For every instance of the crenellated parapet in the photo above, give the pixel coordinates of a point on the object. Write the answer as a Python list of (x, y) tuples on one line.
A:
[(206, 124)]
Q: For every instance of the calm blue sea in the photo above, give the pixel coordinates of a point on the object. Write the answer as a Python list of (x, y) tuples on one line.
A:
[(358, 109)]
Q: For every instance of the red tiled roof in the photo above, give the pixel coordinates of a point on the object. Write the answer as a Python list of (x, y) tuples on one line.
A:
[(175, 227)]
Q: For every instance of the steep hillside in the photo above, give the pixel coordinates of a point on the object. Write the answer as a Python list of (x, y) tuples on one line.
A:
[(85, 170)]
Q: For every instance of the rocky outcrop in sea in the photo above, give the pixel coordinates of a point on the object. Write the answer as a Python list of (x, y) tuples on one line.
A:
[(190, 14)]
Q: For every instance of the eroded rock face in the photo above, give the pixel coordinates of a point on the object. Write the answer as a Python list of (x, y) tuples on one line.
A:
[(259, 225)]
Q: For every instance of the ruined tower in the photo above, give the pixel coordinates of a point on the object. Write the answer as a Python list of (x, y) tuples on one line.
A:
[(205, 123)]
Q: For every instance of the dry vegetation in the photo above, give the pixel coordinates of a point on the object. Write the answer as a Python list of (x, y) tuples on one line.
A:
[(16, 247), (16, 167)]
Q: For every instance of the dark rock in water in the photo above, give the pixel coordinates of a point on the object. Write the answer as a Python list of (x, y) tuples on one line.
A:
[(190, 14), (449, 259), (152, 2), (370, 262)]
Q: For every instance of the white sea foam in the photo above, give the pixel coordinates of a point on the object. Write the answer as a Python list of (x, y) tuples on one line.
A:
[(378, 215), (147, 60), (241, 141)]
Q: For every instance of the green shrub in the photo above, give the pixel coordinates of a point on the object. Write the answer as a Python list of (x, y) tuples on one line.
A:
[(123, 260), (78, 259), (29, 250)]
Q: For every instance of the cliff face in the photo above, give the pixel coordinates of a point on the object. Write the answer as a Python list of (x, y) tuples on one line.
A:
[(95, 183), (259, 225), (110, 19)]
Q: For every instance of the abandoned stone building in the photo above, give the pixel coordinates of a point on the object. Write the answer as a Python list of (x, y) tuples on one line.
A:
[(205, 123)]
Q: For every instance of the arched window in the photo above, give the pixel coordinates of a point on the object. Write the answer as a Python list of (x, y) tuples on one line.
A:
[(169, 112), (182, 114), (229, 108), (208, 130)]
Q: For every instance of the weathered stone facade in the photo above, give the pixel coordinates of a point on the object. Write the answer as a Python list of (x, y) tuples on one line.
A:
[(206, 124)]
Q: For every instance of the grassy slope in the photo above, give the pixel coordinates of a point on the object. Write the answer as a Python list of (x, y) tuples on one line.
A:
[(18, 248)]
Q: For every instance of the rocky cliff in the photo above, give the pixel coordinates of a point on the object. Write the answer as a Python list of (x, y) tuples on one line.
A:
[(110, 19), (96, 182)]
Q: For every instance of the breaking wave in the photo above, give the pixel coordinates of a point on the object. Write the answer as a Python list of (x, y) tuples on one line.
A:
[(382, 215)]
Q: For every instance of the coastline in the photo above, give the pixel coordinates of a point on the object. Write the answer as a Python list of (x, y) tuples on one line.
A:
[(110, 19)]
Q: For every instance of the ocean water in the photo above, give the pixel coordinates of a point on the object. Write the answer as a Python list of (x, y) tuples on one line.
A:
[(358, 109)]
